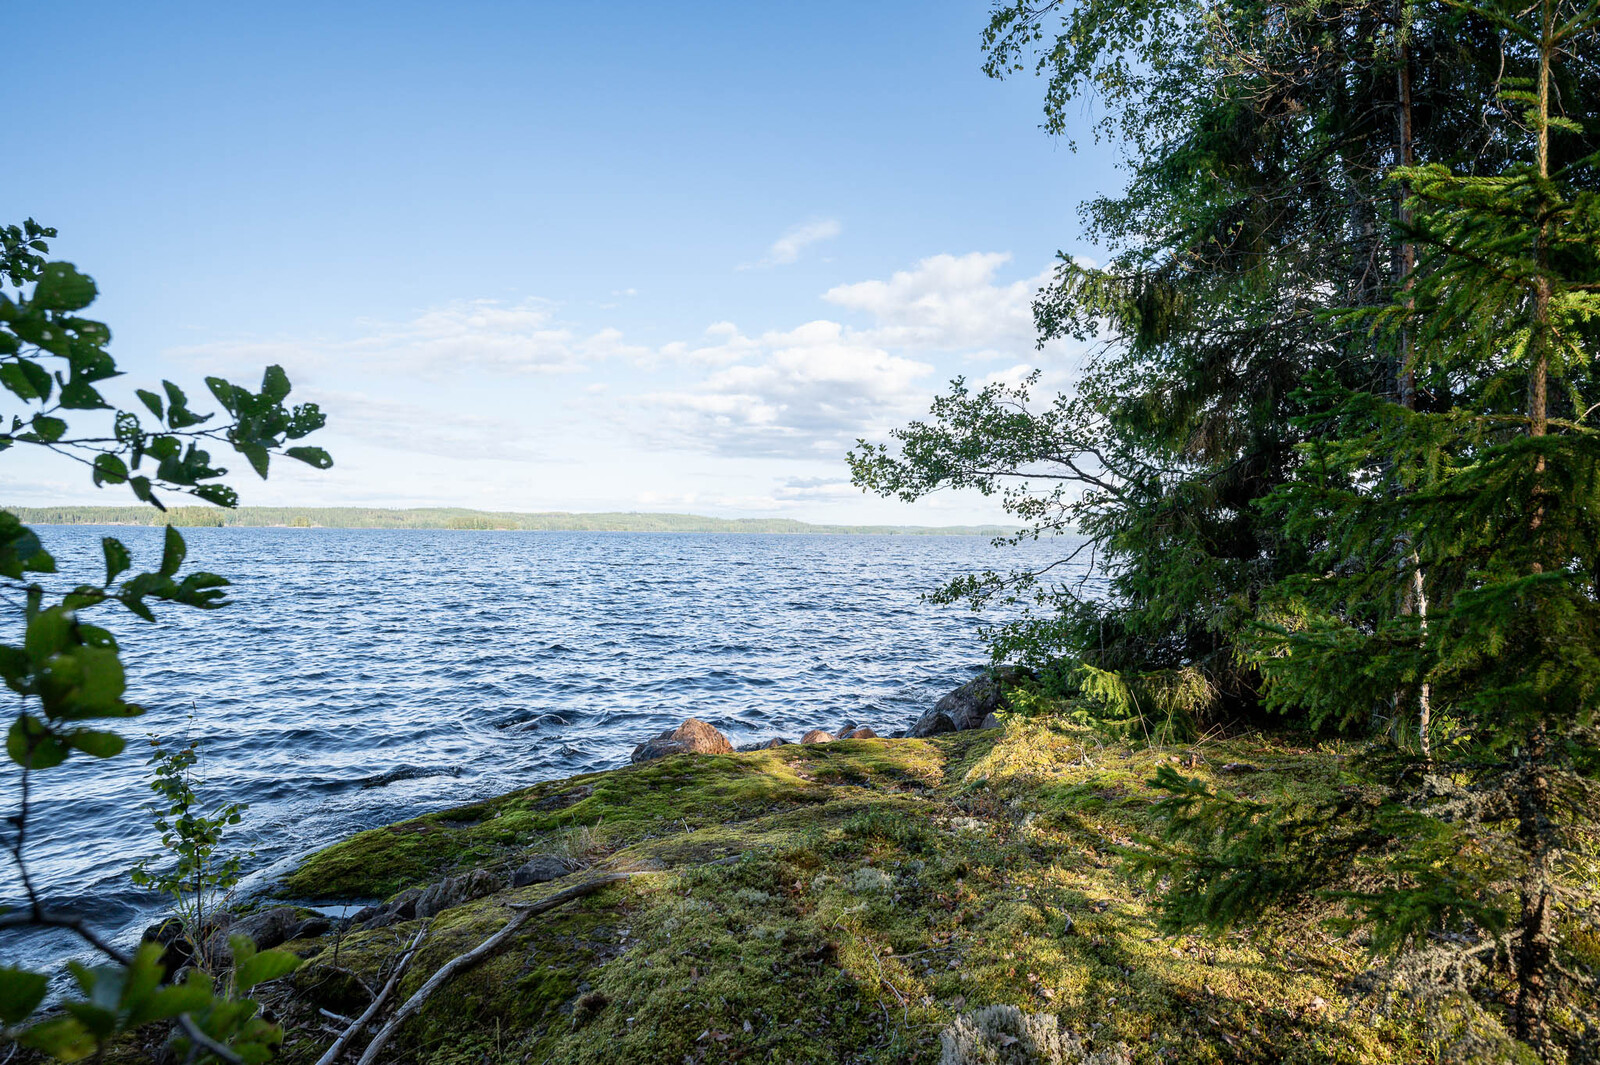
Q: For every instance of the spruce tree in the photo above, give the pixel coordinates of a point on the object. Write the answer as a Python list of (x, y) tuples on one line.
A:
[(1469, 851)]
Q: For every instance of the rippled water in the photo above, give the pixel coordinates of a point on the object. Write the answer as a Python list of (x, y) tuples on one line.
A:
[(366, 676)]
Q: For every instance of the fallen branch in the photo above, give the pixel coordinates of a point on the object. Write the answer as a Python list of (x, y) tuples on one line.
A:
[(524, 913), (332, 1053)]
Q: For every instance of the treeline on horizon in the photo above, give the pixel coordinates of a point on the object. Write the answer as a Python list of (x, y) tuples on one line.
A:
[(459, 518)]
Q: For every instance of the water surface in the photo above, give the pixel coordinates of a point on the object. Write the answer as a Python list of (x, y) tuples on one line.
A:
[(365, 676)]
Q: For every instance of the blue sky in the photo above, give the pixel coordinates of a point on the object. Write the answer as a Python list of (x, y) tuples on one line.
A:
[(539, 256)]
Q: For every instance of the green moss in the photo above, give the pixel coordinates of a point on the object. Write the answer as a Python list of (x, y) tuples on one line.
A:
[(843, 902)]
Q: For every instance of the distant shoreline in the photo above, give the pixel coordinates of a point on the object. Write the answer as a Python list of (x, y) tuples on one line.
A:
[(451, 518)]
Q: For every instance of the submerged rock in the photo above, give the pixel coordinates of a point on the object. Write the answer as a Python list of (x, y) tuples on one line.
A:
[(691, 737), (971, 705)]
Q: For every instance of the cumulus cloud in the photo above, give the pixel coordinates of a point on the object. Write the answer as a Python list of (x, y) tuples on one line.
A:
[(787, 248), (814, 390), (950, 303), (808, 391)]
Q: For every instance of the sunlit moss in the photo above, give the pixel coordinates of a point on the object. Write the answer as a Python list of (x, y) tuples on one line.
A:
[(844, 902)]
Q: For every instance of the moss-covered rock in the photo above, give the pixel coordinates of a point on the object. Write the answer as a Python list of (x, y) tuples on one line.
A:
[(842, 902)]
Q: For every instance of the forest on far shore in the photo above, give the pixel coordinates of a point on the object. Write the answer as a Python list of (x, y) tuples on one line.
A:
[(458, 518)]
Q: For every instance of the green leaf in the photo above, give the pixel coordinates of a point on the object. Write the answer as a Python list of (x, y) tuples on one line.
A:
[(141, 488), (49, 429), (20, 550), (109, 469), (268, 965), (38, 376), (49, 632), (78, 394), (15, 668), (97, 744), (62, 288), (63, 1038), (258, 456), (312, 456), (27, 380), (172, 552), (32, 745), (117, 557), (274, 385), (86, 682), (227, 394), (20, 994), (151, 400), (243, 948)]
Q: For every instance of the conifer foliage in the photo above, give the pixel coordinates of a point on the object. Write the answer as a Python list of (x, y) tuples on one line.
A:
[(1480, 844), (1338, 462)]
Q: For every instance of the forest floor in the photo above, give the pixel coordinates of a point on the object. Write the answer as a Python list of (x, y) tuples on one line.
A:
[(844, 902)]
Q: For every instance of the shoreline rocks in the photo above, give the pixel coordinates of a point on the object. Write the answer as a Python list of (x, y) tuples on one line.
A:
[(691, 737), (973, 705)]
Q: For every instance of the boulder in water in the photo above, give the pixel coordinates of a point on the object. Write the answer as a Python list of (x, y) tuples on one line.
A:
[(970, 706), (862, 733), (691, 737), (817, 735)]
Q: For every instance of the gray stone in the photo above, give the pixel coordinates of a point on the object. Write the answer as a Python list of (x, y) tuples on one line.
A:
[(691, 737), (990, 721), (269, 928), (969, 705), (310, 928), (540, 869), (365, 914), (455, 890), (404, 905)]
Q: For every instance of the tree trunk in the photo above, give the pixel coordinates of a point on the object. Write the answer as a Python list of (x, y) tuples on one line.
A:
[(1415, 597)]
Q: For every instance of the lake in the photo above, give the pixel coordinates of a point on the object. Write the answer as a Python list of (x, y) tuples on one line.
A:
[(366, 676)]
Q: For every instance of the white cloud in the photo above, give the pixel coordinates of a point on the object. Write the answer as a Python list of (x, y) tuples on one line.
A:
[(815, 490), (808, 391), (515, 339), (399, 426), (787, 248), (524, 338), (950, 303)]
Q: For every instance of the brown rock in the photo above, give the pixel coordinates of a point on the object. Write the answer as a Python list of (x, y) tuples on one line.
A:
[(816, 735), (691, 737), (862, 733)]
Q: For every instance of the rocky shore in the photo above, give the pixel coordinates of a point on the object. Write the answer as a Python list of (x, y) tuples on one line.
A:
[(952, 898), (975, 705)]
